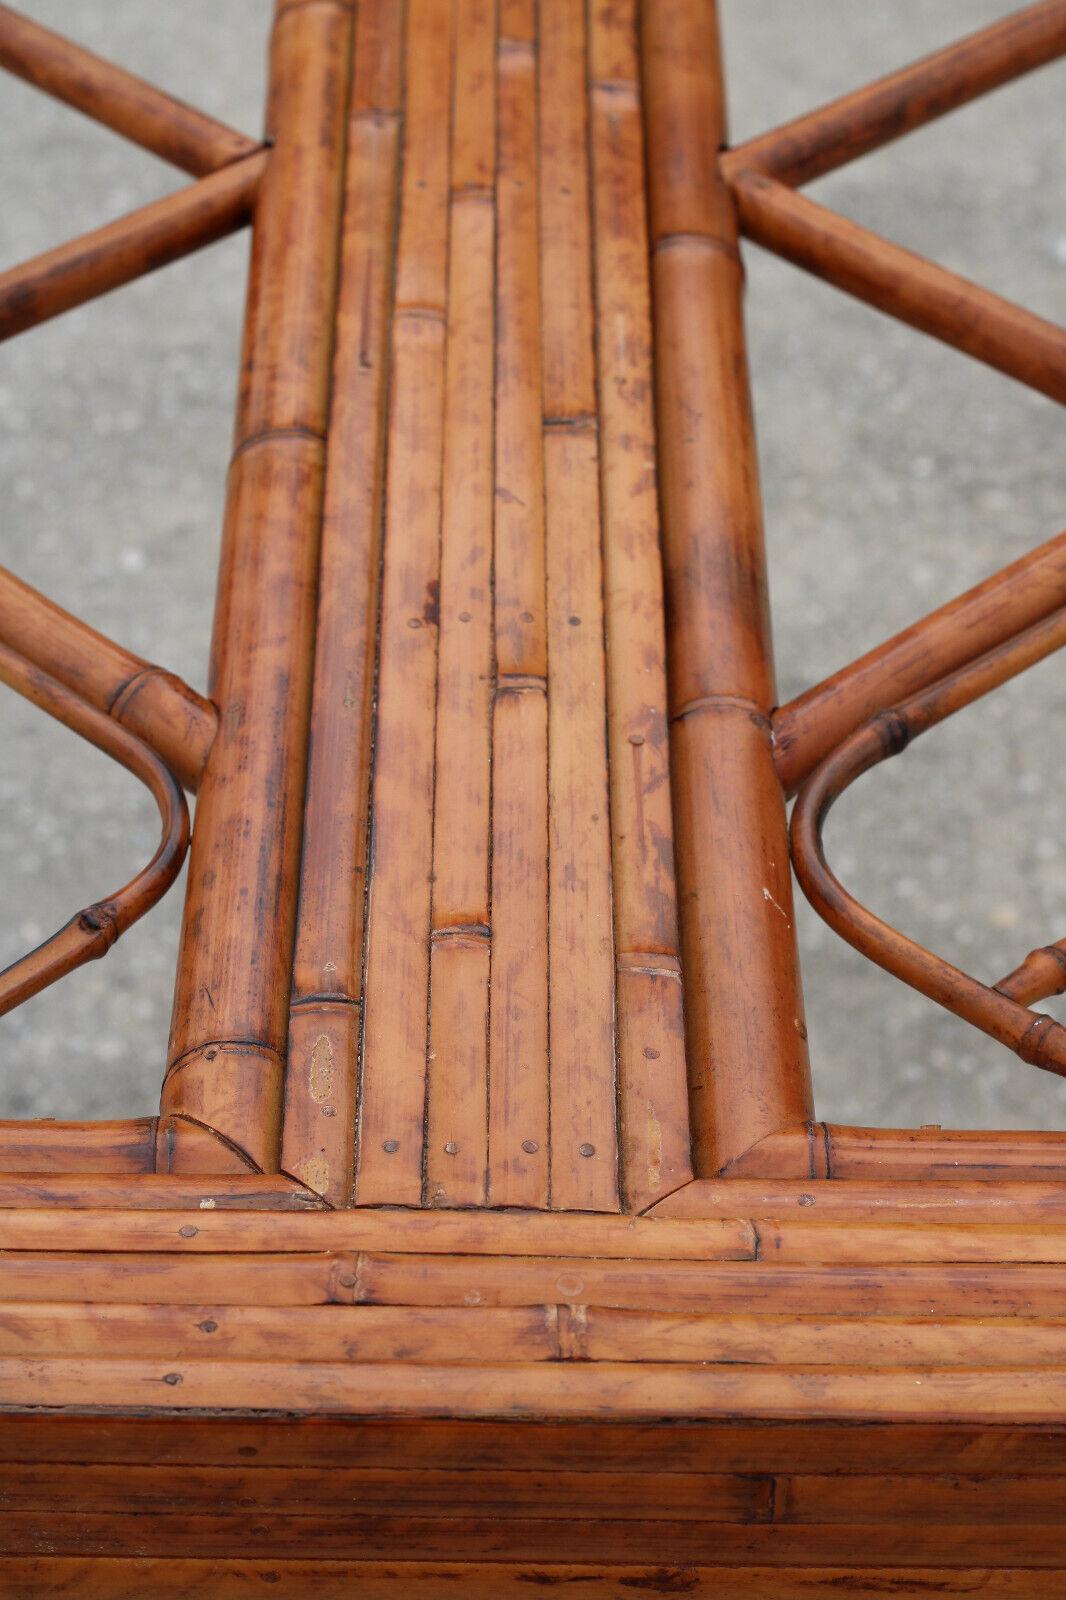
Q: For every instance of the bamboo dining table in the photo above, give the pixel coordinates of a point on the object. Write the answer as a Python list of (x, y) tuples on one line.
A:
[(487, 1238)]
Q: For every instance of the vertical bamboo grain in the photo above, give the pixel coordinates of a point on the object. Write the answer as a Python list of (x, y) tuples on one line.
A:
[(389, 1162), (230, 1020), (284, 380), (518, 1022), (653, 1090), (518, 1085), (457, 1086), (748, 1069), (324, 1027), (584, 1155), (518, 21), (580, 944)]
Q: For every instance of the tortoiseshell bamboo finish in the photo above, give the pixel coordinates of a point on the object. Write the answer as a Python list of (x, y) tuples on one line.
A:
[(487, 1155)]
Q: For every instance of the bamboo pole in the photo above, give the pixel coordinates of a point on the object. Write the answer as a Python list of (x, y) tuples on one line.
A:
[(927, 1198), (582, 1074), (151, 237), (324, 1026), (653, 1087), (966, 1163), (230, 1023), (1009, 601), (91, 933), (192, 1578), (395, 1042), (902, 284), (138, 110), (153, 1189), (852, 1230), (94, 1155), (633, 1392), (154, 705), (991, 1159), (86, 1148), (748, 1067), (822, 140), (518, 1020)]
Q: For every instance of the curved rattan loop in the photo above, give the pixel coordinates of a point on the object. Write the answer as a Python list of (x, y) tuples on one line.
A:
[(1036, 1038), (93, 931)]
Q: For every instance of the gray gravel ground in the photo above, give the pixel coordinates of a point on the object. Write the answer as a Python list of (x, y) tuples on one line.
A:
[(896, 473)]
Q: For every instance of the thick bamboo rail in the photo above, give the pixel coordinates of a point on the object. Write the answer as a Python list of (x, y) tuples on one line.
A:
[(161, 232), (89, 1153), (904, 285), (920, 1156), (137, 110), (744, 1012), (231, 1006)]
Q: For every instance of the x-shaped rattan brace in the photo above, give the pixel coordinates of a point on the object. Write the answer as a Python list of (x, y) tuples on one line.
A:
[(229, 167), (763, 173)]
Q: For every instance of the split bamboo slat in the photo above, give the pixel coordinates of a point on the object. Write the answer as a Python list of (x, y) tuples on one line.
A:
[(518, 999), (401, 853), (582, 1092), (324, 1025), (487, 1238), (651, 1031), (460, 936)]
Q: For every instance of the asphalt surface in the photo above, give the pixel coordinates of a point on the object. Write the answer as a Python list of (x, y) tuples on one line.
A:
[(895, 473)]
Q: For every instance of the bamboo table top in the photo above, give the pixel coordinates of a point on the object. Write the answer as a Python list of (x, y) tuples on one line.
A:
[(485, 976), (519, 807), (489, 899)]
